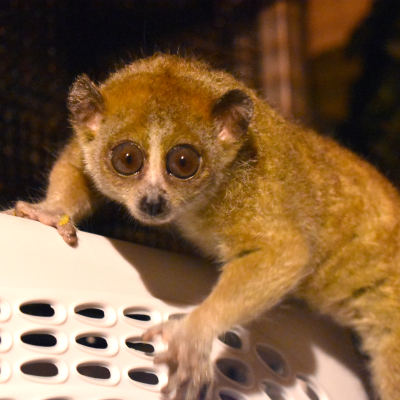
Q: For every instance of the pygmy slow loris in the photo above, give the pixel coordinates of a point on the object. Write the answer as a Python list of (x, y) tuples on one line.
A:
[(286, 212)]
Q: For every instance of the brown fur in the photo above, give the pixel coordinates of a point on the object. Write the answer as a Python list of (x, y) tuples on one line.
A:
[(286, 211)]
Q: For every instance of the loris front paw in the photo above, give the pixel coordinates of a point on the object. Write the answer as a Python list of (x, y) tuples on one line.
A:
[(188, 356), (39, 212)]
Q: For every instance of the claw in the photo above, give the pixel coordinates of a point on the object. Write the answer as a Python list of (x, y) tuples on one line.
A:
[(153, 331)]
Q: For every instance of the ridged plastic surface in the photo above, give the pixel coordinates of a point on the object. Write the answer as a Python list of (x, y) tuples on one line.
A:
[(71, 321)]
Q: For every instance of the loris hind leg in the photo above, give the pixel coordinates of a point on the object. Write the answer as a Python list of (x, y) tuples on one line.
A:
[(385, 366)]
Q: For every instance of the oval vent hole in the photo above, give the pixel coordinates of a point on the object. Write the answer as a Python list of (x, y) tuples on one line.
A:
[(137, 345), (272, 359), (94, 371), (92, 341), (91, 312), (146, 377), (176, 316), (226, 396), (138, 314), (273, 391), (60, 398), (40, 368), (37, 309), (231, 339), (308, 390), (234, 370), (39, 339)]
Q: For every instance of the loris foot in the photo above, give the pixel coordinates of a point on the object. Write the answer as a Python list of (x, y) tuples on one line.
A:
[(39, 212), (188, 356)]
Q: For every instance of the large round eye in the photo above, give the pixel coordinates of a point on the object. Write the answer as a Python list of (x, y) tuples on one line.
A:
[(127, 158), (183, 161)]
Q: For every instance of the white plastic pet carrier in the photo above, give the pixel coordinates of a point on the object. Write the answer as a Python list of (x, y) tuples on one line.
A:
[(71, 321)]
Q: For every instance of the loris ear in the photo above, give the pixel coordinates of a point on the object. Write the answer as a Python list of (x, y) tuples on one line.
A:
[(86, 105), (233, 111)]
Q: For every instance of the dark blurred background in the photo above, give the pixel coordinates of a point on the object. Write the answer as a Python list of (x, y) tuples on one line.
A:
[(331, 64)]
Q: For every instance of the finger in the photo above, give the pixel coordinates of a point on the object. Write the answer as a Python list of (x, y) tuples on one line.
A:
[(25, 213), (68, 233), (49, 220), (207, 392), (10, 211), (163, 358), (69, 238), (195, 391), (153, 331), (180, 393), (183, 375), (22, 210), (171, 385), (177, 381)]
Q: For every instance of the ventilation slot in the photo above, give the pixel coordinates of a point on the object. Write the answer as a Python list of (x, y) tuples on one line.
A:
[(95, 371), (145, 377), (92, 341), (273, 360), (176, 316), (37, 309), (225, 395), (308, 390), (139, 346), (231, 339), (58, 398), (139, 314), (234, 370), (273, 391), (91, 312), (142, 315), (139, 317), (39, 339), (44, 369)]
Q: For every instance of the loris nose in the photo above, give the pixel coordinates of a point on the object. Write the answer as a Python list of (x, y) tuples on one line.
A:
[(153, 207)]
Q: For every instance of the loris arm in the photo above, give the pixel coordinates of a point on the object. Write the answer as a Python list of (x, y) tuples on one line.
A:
[(69, 197), (248, 285)]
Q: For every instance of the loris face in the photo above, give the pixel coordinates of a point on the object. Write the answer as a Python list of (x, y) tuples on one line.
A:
[(157, 169), (156, 148), (155, 196)]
